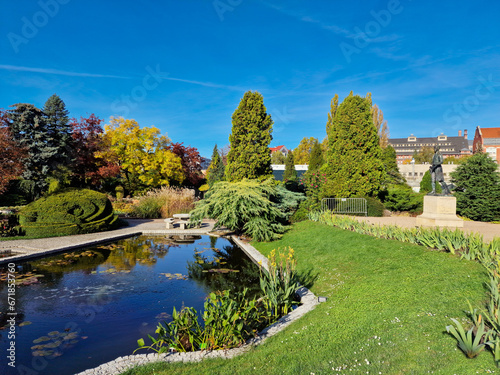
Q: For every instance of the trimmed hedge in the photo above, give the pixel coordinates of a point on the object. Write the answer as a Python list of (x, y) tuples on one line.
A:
[(67, 213)]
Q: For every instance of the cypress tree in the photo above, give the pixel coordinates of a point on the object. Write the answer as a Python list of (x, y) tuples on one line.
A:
[(354, 165), (316, 160), (215, 172), (249, 156), (290, 173)]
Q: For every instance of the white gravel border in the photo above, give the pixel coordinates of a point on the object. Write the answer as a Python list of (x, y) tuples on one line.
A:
[(121, 364)]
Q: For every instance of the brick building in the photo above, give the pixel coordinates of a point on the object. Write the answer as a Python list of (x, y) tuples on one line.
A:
[(488, 140)]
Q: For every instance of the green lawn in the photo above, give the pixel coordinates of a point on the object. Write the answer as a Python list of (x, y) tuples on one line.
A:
[(387, 309)]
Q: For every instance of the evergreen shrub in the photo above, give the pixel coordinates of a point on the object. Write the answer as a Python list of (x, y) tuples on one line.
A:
[(245, 206), (401, 198), (68, 213), (375, 208)]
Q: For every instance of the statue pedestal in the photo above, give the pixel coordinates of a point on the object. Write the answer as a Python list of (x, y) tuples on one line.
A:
[(440, 211)]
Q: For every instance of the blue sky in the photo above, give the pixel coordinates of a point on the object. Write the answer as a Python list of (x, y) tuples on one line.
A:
[(183, 66)]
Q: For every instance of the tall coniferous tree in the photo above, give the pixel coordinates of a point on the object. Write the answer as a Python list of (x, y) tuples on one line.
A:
[(29, 129), (215, 172), (316, 159), (290, 173), (58, 130), (354, 165), (249, 156)]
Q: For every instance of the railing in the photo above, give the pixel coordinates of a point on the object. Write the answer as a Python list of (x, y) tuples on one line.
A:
[(345, 206)]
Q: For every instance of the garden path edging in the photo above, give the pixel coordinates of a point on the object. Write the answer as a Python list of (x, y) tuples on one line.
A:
[(121, 364)]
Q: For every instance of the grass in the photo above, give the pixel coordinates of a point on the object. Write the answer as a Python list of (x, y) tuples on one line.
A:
[(387, 309)]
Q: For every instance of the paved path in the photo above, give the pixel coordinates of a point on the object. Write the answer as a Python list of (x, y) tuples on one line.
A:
[(487, 230), (24, 249)]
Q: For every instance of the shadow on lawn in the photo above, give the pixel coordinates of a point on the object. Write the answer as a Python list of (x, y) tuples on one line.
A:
[(308, 278)]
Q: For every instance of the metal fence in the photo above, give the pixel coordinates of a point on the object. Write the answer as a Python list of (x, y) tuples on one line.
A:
[(345, 206)]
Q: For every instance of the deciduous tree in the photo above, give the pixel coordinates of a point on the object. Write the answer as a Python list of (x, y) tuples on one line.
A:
[(11, 156), (87, 141), (142, 154), (303, 151), (191, 163), (250, 137)]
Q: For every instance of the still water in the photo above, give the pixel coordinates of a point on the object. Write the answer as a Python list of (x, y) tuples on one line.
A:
[(77, 310)]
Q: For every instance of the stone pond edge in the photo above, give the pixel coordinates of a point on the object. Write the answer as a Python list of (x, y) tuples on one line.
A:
[(122, 364)]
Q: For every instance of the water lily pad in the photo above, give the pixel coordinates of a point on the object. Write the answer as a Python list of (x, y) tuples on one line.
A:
[(26, 323), (163, 315), (54, 333), (41, 339), (53, 345)]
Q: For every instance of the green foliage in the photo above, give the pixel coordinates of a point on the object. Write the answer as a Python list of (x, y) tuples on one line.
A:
[(306, 206), (375, 208), (425, 155), (401, 198), (316, 160), (277, 157), (280, 282), (290, 173), (313, 182), (303, 152), (250, 137), (120, 192), (393, 177), (67, 213), (29, 129), (230, 320), (469, 342), (58, 130), (244, 206), (477, 188), (227, 322), (426, 184), (287, 201), (354, 159), (215, 171)]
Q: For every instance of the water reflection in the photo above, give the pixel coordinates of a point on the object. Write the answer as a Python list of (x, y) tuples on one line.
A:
[(79, 309)]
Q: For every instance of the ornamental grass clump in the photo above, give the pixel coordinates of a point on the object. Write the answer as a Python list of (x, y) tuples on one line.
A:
[(164, 202)]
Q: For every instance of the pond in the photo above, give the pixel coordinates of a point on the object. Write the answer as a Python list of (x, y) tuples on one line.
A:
[(80, 309)]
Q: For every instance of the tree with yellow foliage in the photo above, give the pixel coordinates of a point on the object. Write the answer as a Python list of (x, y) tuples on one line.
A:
[(142, 154), (302, 153)]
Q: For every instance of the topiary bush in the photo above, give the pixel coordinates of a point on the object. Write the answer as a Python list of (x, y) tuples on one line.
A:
[(67, 213)]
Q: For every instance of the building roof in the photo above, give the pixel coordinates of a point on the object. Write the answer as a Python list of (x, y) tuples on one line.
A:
[(277, 148), (448, 145), (490, 132)]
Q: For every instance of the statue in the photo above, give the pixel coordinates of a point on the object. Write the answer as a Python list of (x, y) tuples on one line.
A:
[(437, 172)]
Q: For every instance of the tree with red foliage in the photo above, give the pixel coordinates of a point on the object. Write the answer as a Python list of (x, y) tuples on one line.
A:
[(87, 136), (191, 163), (11, 156)]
